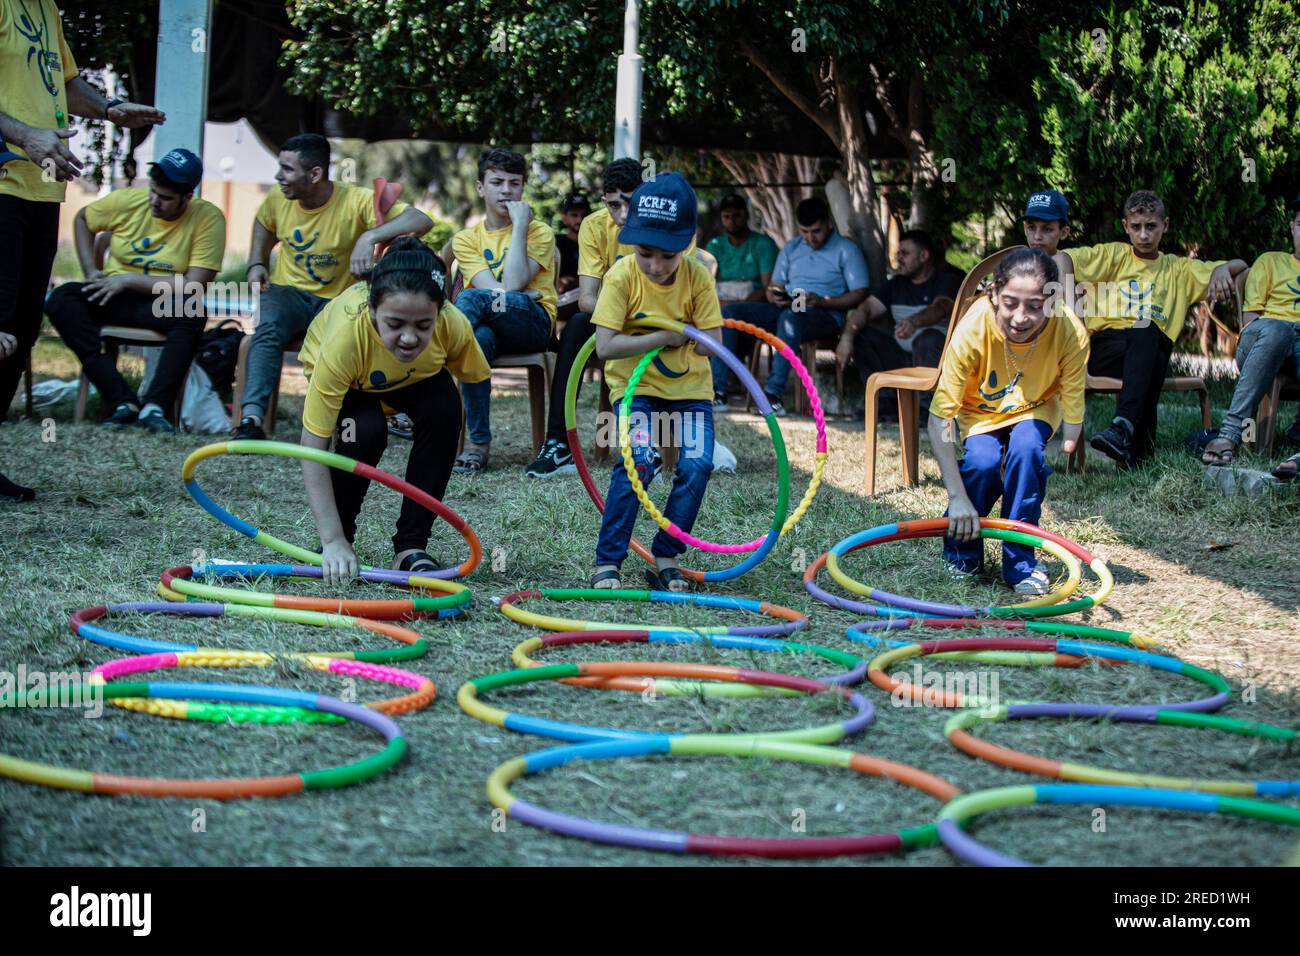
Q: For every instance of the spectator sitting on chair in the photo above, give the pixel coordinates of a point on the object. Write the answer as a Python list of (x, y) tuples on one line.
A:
[(819, 275), (1136, 302), (745, 262), (157, 235), (576, 208), (1270, 340), (327, 233), (508, 262), (915, 304)]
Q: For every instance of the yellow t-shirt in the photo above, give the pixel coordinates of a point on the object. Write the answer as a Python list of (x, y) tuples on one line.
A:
[(143, 245), (598, 245), (35, 67), (679, 374), (342, 350), (979, 388), (316, 244), (479, 248), (1273, 287), (1126, 288)]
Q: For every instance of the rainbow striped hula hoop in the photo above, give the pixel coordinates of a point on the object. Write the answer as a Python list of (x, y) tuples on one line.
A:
[(329, 460)]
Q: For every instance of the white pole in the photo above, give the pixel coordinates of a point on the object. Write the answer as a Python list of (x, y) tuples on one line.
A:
[(181, 90), (627, 99)]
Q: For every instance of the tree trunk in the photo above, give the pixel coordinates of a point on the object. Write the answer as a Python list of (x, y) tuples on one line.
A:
[(775, 206)]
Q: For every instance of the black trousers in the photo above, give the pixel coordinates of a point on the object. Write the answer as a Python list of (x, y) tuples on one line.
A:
[(576, 332), (434, 406), (29, 237), (1140, 357), (79, 320), (875, 350)]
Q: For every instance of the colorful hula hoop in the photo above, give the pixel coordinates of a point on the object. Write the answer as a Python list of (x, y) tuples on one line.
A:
[(509, 606), (81, 624), (421, 689), (1004, 529), (468, 699), (62, 778), (1056, 652), (629, 463), (959, 731), (961, 810), (675, 841), (857, 667), (329, 460), (180, 581)]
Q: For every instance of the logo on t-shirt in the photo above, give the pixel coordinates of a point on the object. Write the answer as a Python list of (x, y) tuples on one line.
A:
[(495, 266), (1294, 289), (380, 382), (146, 256), (311, 261), (47, 61), (1139, 302), (658, 361)]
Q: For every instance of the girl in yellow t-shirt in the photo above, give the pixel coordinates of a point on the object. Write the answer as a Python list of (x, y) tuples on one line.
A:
[(393, 341), (1012, 373)]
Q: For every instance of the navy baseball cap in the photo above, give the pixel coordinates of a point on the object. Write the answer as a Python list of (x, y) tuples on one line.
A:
[(661, 214), (1049, 206), (576, 201), (182, 167), (6, 154)]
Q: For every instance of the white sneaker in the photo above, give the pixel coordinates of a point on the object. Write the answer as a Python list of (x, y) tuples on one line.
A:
[(1036, 584), (724, 459)]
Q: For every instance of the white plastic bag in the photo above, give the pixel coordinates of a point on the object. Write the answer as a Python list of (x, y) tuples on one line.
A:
[(202, 410)]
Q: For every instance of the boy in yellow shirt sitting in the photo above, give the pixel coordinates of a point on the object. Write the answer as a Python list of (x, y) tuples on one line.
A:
[(1136, 302), (675, 396), (392, 341), (1013, 372), (1270, 343)]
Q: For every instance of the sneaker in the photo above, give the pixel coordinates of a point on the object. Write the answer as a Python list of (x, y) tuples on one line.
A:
[(157, 423), (1116, 442), (1036, 584), (554, 459), (720, 406), (249, 430), (960, 572), (778, 406), (123, 416)]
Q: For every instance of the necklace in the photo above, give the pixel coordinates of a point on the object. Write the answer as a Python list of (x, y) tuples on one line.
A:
[(1011, 359)]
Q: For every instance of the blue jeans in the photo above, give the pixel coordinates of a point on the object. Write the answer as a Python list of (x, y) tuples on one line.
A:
[(517, 324), (1267, 347), (762, 314), (793, 328), (694, 465), (284, 314), (1007, 464)]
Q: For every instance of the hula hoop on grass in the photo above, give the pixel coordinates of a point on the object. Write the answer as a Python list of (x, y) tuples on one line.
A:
[(1008, 530), (678, 841), (81, 624), (520, 657), (180, 580), (329, 460), (961, 810), (468, 699), (422, 690), (794, 621), (1055, 652), (47, 775), (959, 729)]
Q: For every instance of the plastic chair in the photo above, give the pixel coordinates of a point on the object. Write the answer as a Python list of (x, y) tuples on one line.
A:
[(910, 383)]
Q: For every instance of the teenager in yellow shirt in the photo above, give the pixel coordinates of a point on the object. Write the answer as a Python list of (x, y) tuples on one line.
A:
[(327, 233), (39, 88), (1269, 344), (1013, 373), (674, 398), (157, 235), (392, 341), (508, 263), (1135, 300)]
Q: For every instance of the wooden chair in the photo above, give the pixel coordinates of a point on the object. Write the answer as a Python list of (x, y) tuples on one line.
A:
[(910, 383), (808, 354), (114, 337)]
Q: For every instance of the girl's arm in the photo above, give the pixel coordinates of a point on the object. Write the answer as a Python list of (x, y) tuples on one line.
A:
[(616, 345), (338, 560), (963, 519)]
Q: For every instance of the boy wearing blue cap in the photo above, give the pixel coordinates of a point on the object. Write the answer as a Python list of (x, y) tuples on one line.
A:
[(677, 389), (1046, 220), (156, 234)]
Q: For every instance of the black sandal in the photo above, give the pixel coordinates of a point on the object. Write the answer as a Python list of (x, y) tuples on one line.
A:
[(418, 562), (665, 579), (609, 574)]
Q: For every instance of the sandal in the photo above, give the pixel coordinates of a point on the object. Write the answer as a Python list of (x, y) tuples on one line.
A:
[(664, 579), (418, 562), (470, 461), (1220, 451), (609, 574), (401, 426), (1288, 469)]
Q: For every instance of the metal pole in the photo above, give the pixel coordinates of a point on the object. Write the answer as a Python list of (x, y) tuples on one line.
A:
[(627, 99), (181, 88)]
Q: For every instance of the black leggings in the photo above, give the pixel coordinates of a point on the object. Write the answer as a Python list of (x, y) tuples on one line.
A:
[(434, 406), (575, 335), (29, 236)]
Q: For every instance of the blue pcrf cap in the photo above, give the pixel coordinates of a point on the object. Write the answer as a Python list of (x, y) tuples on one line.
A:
[(182, 167), (1050, 206), (661, 214)]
